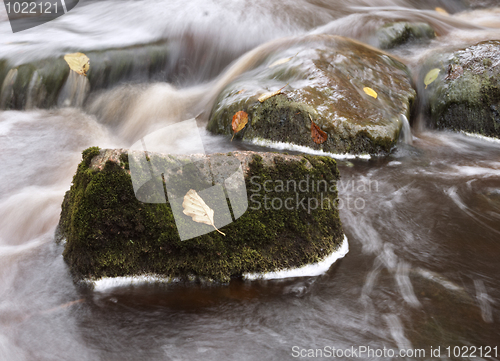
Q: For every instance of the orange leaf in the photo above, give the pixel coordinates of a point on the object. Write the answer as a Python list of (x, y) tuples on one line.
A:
[(240, 119), (317, 134)]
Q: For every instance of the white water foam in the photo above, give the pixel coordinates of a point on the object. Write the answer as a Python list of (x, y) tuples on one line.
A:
[(304, 149), (311, 270), (482, 137)]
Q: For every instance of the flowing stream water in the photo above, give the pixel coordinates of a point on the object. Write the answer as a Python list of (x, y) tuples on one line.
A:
[(423, 223)]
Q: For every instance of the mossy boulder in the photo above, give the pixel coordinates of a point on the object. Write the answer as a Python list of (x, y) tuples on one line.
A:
[(39, 83), (466, 93), (324, 79), (109, 232), (401, 33)]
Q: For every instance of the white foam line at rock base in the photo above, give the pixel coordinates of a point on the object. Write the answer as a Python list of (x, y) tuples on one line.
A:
[(482, 137), (315, 269), (309, 270), (107, 283), (303, 149)]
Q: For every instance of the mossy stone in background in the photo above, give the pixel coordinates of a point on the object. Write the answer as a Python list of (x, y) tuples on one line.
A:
[(324, 77), (39, 83), (466, 94), (401, 33), (108, 232)]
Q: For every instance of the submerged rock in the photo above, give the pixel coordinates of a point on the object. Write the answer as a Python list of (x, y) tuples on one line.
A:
[(291, 219), (324, 79), (465, 96), (395, 34), (481, 4), (46, 83)]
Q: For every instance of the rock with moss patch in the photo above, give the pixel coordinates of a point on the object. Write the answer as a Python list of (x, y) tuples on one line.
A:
[(324, 79), (465, 96), (46, 83), (400, 33), (291, 219)]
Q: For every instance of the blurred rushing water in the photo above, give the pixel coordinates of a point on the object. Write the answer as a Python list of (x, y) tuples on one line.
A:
[(423, 224)]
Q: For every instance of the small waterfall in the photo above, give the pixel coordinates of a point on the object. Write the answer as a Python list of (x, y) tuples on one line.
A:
[(7, 88), (405, 136), (74, 91), (36, 91)]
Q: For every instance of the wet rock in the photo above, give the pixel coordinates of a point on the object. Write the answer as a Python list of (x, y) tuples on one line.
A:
[(481, 4), (109, 232), (136, 63), (400, 33), (466, 94), (34, 84), (324, 79), (39, 84)]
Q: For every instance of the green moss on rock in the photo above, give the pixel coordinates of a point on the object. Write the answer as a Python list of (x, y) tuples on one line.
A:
[(112, 66), (4, 69), (324, 79), (110, 233), (466, 94)]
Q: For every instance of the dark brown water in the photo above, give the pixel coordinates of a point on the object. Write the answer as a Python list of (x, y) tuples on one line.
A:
[(423, 224)]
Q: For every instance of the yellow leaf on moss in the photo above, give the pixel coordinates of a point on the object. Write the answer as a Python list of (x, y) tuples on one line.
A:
[(78, 62), (431, 76)]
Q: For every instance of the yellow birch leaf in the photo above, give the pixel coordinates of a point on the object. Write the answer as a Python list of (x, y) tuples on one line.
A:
[(370, 92), (265, 96), (196, 208), (78, 62), (441, 11), (431, 76)]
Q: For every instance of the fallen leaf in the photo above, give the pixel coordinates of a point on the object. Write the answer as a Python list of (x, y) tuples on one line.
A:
[(196, 208), (431, 76), (317, 134), (78, 62), (240, 119), (441, 11), (370, 92), (265, 96), (282, 61)]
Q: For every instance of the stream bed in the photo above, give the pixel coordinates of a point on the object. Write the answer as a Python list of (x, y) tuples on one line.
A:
[(423, 223)]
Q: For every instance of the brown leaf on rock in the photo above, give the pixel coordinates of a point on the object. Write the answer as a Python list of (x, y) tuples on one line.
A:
[(317, 134), (240, 119)]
